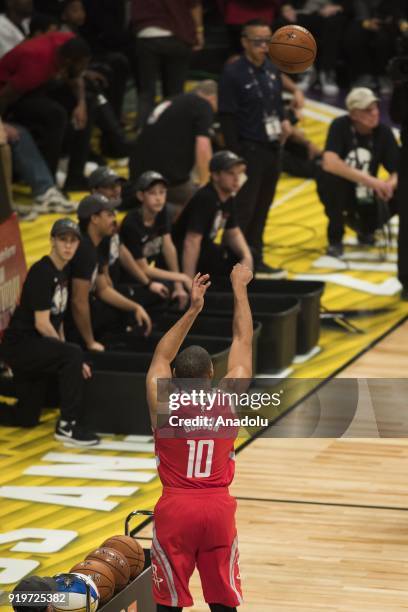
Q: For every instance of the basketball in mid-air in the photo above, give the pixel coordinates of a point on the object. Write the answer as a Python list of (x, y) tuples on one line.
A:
[(292, 49)]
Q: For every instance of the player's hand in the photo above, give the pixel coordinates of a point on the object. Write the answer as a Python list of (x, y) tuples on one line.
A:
[(199, 287), (95, 346), (143, 318), (86, 371), (181, 295), (159, 288), (240, 276)]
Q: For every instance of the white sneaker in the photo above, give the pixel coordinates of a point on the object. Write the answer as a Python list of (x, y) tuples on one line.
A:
[(328, 83), (307, 79), (25, 213), (53, 201)]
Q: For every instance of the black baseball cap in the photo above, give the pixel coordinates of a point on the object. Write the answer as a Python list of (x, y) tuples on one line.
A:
[(148, 179), (65, 226), (94, 204), (224, 160), (34, 584), (103, 177)]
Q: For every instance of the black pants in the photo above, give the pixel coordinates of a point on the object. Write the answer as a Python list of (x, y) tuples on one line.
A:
[(46, 113), (33, 360), (216, 259), (402, 196), (165, 58), (117, 75), (256, 195), (368, 52), (341, 207)]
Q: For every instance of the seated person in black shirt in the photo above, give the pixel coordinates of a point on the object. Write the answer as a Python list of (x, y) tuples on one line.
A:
[(138, 286), (211, 209), (34, 344), (97, 308), (145, 231), (357, 144)]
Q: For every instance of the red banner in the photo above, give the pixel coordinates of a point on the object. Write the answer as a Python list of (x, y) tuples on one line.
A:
[(12, 268)]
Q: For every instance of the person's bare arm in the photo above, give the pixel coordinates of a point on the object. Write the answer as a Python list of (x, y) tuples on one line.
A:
[(240, 356), (203, 154), (43, 324), (131, 265), (191, 253), (112, 297), (335, 165), (81, 312), (169, 345), (197, 15), (235, 239)]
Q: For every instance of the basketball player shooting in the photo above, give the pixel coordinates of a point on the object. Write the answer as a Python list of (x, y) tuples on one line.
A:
[(194, 520)]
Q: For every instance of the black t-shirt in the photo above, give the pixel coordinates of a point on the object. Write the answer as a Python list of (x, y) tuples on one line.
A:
[(361, 151), (167, 142), (143, 240), (87, 261), (45, 288), (205, 214), (109, 252)]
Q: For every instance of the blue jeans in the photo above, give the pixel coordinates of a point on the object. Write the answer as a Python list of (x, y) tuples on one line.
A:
[(29, 163)]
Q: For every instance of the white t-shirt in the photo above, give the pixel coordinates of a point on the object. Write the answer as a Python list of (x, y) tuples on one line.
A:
[(11, 35)]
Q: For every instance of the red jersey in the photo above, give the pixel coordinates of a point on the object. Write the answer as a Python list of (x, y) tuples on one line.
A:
[(33, 62), (199, 455)]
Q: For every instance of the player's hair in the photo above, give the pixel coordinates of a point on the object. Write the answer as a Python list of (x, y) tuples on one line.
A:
[(207, 88), (254, 23), (75, 49), (193, 362)]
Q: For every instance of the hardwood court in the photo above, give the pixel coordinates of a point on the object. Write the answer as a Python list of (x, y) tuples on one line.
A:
[(323, 523)]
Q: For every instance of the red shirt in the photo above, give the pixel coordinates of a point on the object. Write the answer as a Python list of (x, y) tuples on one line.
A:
[(33, 62), (237, 12), (172, 15), (200, 456)]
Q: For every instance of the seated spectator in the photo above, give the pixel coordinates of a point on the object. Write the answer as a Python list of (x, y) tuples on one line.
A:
[(126, 274), (42, 24), (185, 120), (42, 89), (14, 24), (30, 167), (326, 20), (145, 231), (35, 584), (357, 144), (210, 210), (165, 35), (96, 307), (369, 41), (34, 343)]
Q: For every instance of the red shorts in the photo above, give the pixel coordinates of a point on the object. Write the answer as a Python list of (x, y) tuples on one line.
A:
[(195, 527)]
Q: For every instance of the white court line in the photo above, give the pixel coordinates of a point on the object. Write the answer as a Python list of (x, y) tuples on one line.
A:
[(389, 287), (290, 194)]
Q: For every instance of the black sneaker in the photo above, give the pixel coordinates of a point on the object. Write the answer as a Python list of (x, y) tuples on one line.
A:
[(366, 239), (74, 435), (335, 250), (404, 293), (264, 271)]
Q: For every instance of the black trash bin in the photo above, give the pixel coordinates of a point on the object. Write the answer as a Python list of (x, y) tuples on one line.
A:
[(307, 292), (277, 342), (213, 327)]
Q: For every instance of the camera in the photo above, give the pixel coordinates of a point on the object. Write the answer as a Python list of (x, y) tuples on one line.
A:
[(398, 66)]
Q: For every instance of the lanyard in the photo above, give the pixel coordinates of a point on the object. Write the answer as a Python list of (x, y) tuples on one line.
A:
[(370, 146), (270, 83)]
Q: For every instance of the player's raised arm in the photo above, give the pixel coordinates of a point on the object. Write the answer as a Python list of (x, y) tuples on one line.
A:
[(169, 345), (240, 357)]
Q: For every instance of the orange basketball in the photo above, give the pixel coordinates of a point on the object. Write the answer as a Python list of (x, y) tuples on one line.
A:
[(293, 49), (116, 562), (131, 549), (102, 576)]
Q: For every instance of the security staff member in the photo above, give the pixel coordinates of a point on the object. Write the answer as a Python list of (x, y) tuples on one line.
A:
[(253, 123), (34, 344)]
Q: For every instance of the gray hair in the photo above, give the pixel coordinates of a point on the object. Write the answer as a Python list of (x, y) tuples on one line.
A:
[(206, 88)]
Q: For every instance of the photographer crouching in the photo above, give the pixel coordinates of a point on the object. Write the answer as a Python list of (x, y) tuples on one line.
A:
[(398, 70)]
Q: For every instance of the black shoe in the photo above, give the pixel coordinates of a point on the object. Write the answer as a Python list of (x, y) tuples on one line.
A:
[(335, 250), (264, 271), (404, 293), (74, 435), (366, 239), (76, 184)]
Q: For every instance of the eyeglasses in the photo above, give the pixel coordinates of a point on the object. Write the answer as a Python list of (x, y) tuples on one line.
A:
[(258, 42)]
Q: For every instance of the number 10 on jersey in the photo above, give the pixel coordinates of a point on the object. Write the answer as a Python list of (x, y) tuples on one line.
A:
[(195, 458)]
